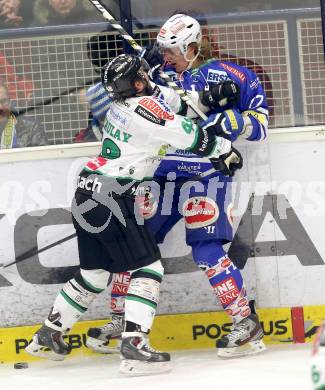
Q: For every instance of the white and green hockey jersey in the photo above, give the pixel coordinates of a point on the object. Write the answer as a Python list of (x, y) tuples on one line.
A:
[(134, 132)]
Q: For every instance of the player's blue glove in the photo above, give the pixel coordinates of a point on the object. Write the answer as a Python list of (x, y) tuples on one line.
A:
[(228, 124)]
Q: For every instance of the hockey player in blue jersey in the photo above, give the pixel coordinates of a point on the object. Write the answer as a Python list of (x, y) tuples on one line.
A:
[(237, 94)]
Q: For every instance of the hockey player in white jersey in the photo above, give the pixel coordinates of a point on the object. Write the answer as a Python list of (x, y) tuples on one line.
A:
[(112, 236)]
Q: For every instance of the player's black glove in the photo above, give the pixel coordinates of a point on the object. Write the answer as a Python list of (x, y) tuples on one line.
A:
[(153, 56), (154, 59), (228, 163), (226, 93)]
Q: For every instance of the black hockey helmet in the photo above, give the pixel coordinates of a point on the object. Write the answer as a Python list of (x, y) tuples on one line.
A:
[(119, 75)]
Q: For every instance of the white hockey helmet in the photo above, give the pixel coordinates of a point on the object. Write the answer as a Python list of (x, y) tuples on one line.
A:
[(179, 31)]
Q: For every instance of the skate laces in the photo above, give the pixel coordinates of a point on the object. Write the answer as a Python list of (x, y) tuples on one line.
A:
[(116, 325), (144, 344), (240, 329)]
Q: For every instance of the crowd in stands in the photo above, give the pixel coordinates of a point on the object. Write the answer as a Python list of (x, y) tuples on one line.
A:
[(34, 13)]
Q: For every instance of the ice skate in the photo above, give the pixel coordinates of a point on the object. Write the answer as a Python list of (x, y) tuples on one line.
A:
[(244, 339), (138, 358), (99, 339), (48, 343)]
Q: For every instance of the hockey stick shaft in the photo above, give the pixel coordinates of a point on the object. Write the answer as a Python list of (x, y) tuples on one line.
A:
[(35, 251)]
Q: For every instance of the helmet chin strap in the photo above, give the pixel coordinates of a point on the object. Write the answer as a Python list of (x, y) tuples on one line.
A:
[(190, 62)]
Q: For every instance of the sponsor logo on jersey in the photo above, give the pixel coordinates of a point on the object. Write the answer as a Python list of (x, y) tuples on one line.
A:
[(254, 83), (93, 185), (227, 291), (234, 71), (147, 205), (156, 108), (199, 212), (118, 118), (149, 116), (217, 76)]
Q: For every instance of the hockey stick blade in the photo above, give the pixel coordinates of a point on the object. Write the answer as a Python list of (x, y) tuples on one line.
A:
[(34, 251)]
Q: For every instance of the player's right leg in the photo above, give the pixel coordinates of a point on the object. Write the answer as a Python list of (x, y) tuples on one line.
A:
[(71, 303)]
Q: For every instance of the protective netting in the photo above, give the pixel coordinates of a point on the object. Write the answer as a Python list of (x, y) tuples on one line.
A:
[(55, 70)]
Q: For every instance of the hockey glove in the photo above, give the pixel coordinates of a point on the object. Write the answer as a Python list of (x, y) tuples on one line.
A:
[(228, 163), (153, 56), (155, 60), (228, 124), (221, 95)]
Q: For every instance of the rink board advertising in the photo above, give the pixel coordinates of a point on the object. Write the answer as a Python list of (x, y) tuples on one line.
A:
[(278, 213)]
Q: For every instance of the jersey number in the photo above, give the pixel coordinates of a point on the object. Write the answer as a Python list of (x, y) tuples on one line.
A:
[(110, 149)]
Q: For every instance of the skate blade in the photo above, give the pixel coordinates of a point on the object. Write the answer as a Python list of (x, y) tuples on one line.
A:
[(101, 346), (251, 348), (138, 368), (43, 352)]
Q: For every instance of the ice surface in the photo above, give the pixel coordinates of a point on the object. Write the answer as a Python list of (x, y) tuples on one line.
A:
[(280, 367)]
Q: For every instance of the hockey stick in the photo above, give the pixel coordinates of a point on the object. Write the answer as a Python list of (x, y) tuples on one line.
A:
[(35, 251)]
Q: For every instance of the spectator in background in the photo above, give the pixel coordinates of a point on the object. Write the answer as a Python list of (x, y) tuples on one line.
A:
[(17, 131), (15, 13), (58, 12), (20, 88)]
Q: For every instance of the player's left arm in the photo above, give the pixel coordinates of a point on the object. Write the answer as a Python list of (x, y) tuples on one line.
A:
[(240, 103)]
